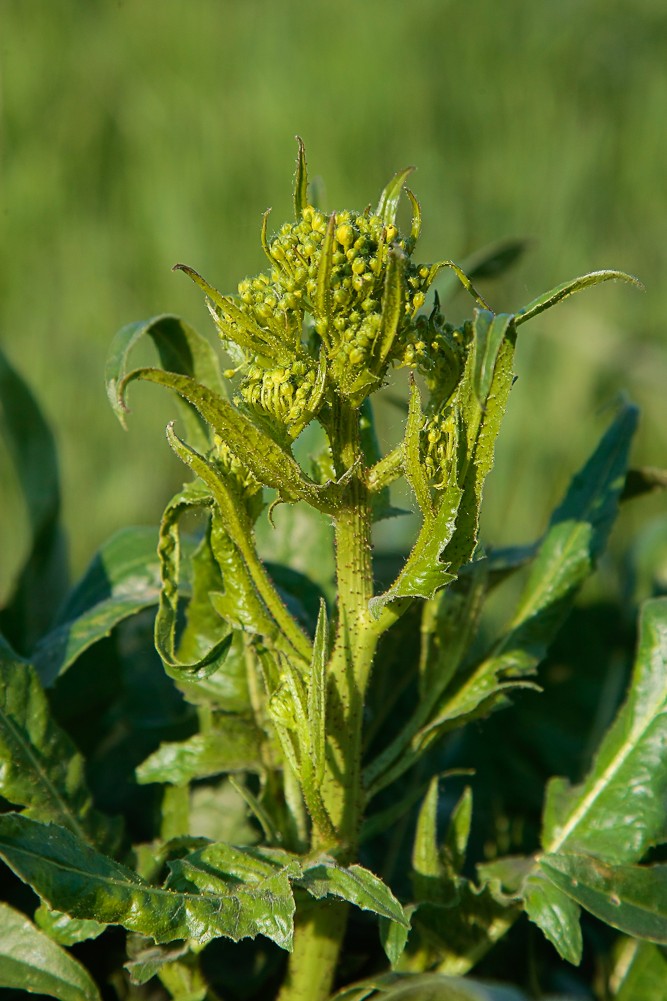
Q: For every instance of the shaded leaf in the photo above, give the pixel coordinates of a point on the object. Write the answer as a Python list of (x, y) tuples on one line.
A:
[(640, 971), (30, 961), (232, 744), (427, 987), (631, 898), (122, 579)]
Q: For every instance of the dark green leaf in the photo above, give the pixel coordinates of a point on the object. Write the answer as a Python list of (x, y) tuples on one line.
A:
[(631, 898), (123, 578), (30, 961), (300, 181), (620, 808), (71, 877), (181, 351), (43, 578), (40, 769)]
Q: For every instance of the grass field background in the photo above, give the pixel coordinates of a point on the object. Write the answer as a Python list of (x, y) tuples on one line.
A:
[(140, 133)]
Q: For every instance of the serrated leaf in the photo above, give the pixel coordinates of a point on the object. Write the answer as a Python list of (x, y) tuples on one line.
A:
[(232, 744), (122, 579), (620, 808), (323, 877), (424, 573), (257, 883), (30, 961), (72, 877), (40, 768), (631, 898), (63, 929), (390, 197), (415, 472), (555, 913), (565, 289), (181, 351), (43, 577)]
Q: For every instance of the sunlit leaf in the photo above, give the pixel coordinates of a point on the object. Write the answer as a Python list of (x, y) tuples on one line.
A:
[(231, 744), (323, 877), (390, 197), (556, 914), (562, 291), (31, 961)]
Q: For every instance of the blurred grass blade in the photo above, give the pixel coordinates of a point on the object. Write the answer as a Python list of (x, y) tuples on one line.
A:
[(40, 768), (631, 898), (554, 295), (71, 877), (620, 809), (181, 350), (122, 579), (43, 577), (30, 961)]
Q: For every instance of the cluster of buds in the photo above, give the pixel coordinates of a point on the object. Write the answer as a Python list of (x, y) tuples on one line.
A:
[(223, 457), (289, 395), (439, 442)]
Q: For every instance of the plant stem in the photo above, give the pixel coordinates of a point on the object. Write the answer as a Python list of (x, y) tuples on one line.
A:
[(317, 941)]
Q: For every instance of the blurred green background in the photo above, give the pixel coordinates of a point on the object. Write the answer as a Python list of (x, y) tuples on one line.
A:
[(139, 133)]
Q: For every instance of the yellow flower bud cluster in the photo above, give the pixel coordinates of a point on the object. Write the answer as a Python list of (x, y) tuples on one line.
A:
[(437, 350), (225, 459), (283, 394), (438, 445)]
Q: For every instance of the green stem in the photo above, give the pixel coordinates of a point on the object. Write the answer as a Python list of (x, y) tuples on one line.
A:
[(317, 942)]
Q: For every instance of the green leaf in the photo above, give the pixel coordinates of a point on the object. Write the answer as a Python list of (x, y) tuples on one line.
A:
[(576, 536), (30, 961), (620, 808), (40, 769), (554, 295), (71, 877), (259, 886), (300, 181), (389, 199), (640, 971), (63, 929), (427, 987), (181, 351), (323, 877), (555, 913), (43, 578), (427, 870), (317, 695), (393, 302), (424, 573), (232, 744), (489, 333), (122, 579), (631, 898), (415, 472)]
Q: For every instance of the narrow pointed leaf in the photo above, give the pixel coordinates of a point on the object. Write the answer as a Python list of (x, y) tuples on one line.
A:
[(71, 877), (427, 987), (549, 299), (300, 181), (426, 865), (415, 473), (322, 304), (40, 769), (317, 694), (556, 914), (324, 877), (393, 302), (122, 579), (416, 226), (620, 809), (31, 961), (389, 199), (631, 898)]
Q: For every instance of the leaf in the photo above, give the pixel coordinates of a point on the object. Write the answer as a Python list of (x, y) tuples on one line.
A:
[(43, 577), (554, 295), (30, 961), (427, 871), (72, 877), (424, 573), (257, 884), (556, 914), (231, 745), (181, 351), (40, 769), (122, 579), (389, 199), (490, 331), (427, 987), (631, 898), (640, 972), (63, 929), (300, 181), (620, 808), (323, 877), (393, 302), (317, 695), (576, 536)]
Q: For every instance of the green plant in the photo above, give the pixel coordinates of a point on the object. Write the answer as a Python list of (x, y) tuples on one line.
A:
[(283, 774)]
